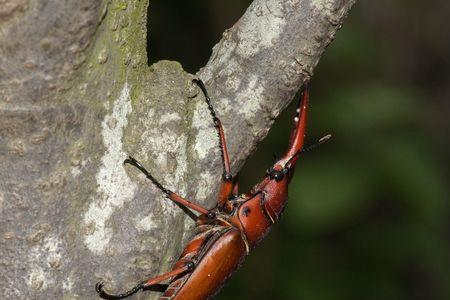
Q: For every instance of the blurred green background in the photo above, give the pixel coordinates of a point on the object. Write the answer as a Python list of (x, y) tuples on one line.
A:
[(368, 216)]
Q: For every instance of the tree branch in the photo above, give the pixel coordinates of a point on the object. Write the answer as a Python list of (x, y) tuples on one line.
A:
[(263, 60)]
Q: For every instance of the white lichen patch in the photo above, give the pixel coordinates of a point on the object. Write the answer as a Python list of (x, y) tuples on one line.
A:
[(253, 90), (206, 138), (162, 142), (37, 279), (146, 223), (177, 177), (114, 186), (327, 8), (232, 84), (52, 247), (222, 105), (75, 171), (264, 28), (204, 185), (43, 260), (67, 284), (169, 117), (323, 4)]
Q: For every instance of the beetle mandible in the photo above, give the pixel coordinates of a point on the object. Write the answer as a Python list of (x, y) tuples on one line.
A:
[(226, 233)]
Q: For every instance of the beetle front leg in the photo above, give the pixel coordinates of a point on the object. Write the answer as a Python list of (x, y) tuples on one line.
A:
[(171, 195)]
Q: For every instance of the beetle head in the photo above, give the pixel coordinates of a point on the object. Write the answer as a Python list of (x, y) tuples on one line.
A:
[(275, 174), (282, 168)]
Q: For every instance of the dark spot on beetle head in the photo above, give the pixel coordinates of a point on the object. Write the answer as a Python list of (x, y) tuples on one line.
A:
[(246, 211)]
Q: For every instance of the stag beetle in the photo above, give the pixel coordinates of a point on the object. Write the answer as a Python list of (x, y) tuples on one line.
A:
[(226, 234)]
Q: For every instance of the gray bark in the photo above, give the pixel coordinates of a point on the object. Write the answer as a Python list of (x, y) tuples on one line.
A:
[(77, 96)]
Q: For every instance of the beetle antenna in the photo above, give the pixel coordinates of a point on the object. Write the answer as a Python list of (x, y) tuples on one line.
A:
[(318, 143), (309, 148), (219, 128)]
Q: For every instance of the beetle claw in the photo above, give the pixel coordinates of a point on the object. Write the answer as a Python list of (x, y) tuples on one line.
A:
[(101, 292), (99, 287)]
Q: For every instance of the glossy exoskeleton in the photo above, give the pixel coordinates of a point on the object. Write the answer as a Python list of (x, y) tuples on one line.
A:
[(226, 233)]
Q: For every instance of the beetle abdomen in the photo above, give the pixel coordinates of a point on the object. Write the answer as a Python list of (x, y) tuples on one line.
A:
[(217, 256)]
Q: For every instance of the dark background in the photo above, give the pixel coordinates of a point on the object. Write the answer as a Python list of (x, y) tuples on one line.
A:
[(368, 216)]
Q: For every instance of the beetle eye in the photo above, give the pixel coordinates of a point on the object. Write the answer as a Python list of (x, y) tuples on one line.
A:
[(277, 175)]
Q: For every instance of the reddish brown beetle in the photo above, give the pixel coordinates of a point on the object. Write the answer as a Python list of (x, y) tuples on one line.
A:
[(229, 231)]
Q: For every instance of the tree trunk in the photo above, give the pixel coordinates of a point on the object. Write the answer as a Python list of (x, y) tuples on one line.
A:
[(77, 96)]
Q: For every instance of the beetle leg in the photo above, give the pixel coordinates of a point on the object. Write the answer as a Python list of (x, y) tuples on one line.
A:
[(225, 192), (171, 195), (189, 266), (226, 188)]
